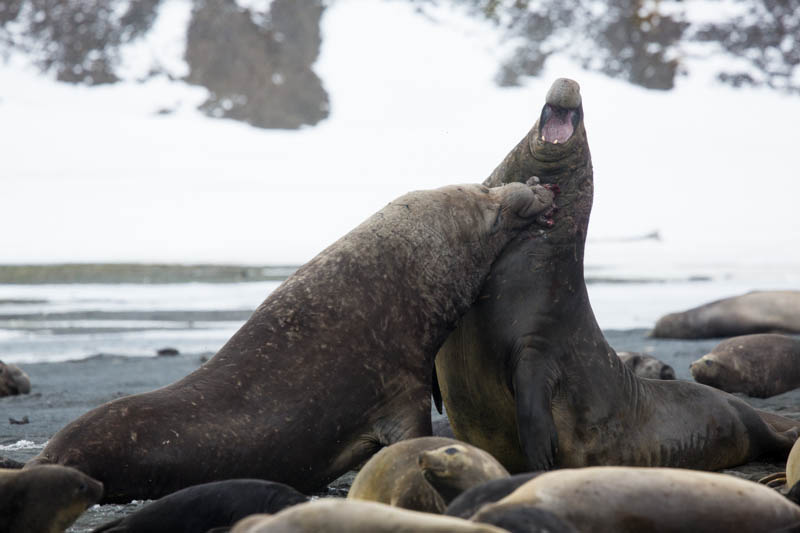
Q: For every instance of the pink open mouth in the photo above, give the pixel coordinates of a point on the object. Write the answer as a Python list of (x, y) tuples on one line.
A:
[(557, 124)]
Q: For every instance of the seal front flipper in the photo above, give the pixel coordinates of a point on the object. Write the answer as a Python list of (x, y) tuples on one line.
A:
[(533, 387)]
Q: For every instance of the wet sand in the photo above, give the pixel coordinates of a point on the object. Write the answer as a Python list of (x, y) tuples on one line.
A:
[(63, 391)]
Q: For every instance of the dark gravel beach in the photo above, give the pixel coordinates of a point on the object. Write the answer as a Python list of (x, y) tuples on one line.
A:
[(63, 391)]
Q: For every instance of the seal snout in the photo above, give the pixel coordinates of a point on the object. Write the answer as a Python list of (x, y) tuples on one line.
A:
[(562, 111)]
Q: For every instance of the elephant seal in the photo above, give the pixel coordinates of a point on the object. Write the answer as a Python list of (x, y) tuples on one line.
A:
[(45, 499), (207, 506), (335, 515), (468, 502), (423, 474), (13, 380), (647, 366), (760, 365), (365, 318), (525, 519), (746, 314), (663, 500), (528, 375)]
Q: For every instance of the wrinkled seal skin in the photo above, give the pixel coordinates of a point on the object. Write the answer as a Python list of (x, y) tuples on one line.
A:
[(760, 365), (335, 363), (13, 380), (528, 375), (46, 499), (423, 474), (647, 366), (661, 500), (746, 314), (203, 507)]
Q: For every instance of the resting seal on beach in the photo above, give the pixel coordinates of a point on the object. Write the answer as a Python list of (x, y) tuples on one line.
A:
[(207, 506), (13, 380), (663, 500), (754, 312), (528, 375), (334, 364), (647, 366), (423, 474), (760, 365), (45, 499), (337, 515)]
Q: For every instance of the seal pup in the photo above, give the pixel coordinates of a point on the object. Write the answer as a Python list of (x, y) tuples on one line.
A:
[(203, 507), (760, 365), (336, 515), (663, 500), (423, 474), (13, 380), (528, 375), (647, 366), (334, 364), (754, 312), (45, 499)]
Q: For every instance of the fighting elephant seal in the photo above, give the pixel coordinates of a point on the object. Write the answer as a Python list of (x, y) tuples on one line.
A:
[(528, 375), (746, 314), (45, 499), (423, 474), (335, 363), (760, 365), (659, 500), (647, 366), (13, 380), (336, 515), (203, 507)]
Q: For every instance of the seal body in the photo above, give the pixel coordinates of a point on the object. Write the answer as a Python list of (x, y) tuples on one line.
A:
[(746, 314), (335, 515), (661, 500), (469, 501), (423, 474), (13, 380), (207, 506), (528, 375), (334, 364), (647, 366), (45, 499), (760, 365)]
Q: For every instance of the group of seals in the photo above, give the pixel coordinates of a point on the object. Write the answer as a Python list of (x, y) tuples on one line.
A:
[(424, 474), (528, 375), (754, 312), (45, 499), (760, 365), (13, 380), (334, 364)]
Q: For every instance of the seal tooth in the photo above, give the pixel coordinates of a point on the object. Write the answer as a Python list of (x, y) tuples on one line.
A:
[(555, 142)]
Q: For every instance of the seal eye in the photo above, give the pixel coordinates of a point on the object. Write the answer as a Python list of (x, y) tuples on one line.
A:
[(708, 362), (451, 451)]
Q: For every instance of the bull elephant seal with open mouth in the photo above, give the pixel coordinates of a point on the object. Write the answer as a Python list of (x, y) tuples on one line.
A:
[(334, 364), (528, 375)]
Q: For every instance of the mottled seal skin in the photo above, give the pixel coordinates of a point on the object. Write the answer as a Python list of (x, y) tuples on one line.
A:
[(528, 375), (45, 499), (203, 507), (647, 366), (334, 364), (468, 502), (662, 500), (336, 515), (746, 314), (760, 365), (423, 474), (13, 380)]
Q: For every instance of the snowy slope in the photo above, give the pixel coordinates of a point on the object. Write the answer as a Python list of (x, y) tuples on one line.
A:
[(96, 174)]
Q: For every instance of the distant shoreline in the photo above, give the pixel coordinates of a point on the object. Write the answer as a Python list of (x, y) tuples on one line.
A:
[(158, 273)]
